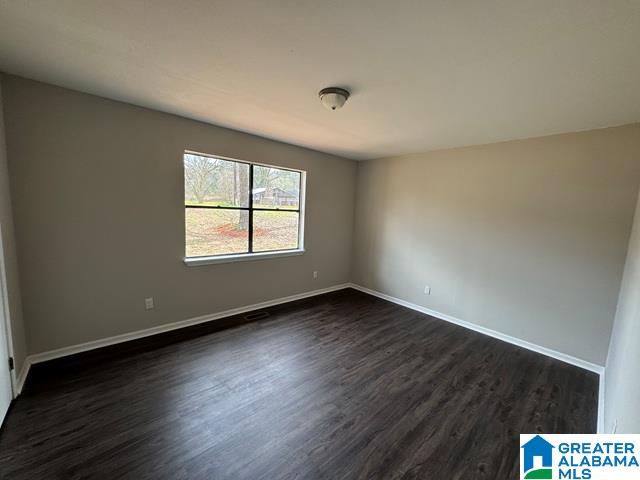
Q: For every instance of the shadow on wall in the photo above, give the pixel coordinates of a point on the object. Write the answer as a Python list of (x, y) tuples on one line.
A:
[(622, 395)]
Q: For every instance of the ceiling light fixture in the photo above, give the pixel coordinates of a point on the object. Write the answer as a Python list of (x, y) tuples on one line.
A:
[(333, 98)]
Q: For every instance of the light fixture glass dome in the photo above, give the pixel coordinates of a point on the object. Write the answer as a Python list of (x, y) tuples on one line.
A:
[(333, 98)]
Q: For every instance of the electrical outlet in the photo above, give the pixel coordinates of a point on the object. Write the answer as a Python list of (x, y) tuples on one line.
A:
[(427, 290), (315, 274), (148, 303)]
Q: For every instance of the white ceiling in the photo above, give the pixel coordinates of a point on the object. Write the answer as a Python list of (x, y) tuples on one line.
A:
[(424, 74)]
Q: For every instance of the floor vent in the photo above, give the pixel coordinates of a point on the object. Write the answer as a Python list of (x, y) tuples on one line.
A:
[(256, 315)]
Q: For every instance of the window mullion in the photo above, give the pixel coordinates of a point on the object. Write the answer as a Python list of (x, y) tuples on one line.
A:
[(251, 208)]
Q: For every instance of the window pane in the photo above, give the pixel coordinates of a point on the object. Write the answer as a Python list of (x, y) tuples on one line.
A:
[(275, 231), (216, 232), (274, 187), (215, 182)]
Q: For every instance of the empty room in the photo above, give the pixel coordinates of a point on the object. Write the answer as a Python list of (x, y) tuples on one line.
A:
[(308, 240)]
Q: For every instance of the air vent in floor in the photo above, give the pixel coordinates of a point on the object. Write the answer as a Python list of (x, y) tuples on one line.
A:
[(256, 315)]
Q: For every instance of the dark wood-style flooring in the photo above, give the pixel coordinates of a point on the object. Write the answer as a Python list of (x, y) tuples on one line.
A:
[(340, 386)]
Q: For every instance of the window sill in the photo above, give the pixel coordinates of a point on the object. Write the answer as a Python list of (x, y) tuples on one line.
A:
[(242, 257)]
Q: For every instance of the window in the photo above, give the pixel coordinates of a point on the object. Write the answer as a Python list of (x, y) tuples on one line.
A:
[(235, 208)]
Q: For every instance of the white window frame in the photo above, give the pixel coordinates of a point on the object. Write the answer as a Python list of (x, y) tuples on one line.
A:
[(248, 256)]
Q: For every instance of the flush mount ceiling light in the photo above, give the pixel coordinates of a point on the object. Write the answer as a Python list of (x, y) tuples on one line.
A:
[(333, 98)]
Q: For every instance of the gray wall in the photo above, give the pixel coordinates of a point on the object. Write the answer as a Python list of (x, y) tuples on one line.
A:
[(526, 237), (622, 393), (98, 194), (8, 243)]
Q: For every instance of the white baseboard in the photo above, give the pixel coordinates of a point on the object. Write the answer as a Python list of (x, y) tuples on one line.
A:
[(578, 362), (22, 377), (601, 392), (125, 337), (487, 331), (83, 347)]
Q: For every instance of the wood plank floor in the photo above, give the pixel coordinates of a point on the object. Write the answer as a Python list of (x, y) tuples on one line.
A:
[(341, 386)]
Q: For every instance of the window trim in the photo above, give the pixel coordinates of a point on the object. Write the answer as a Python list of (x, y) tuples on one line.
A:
[(240, 257), (250, 255)]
